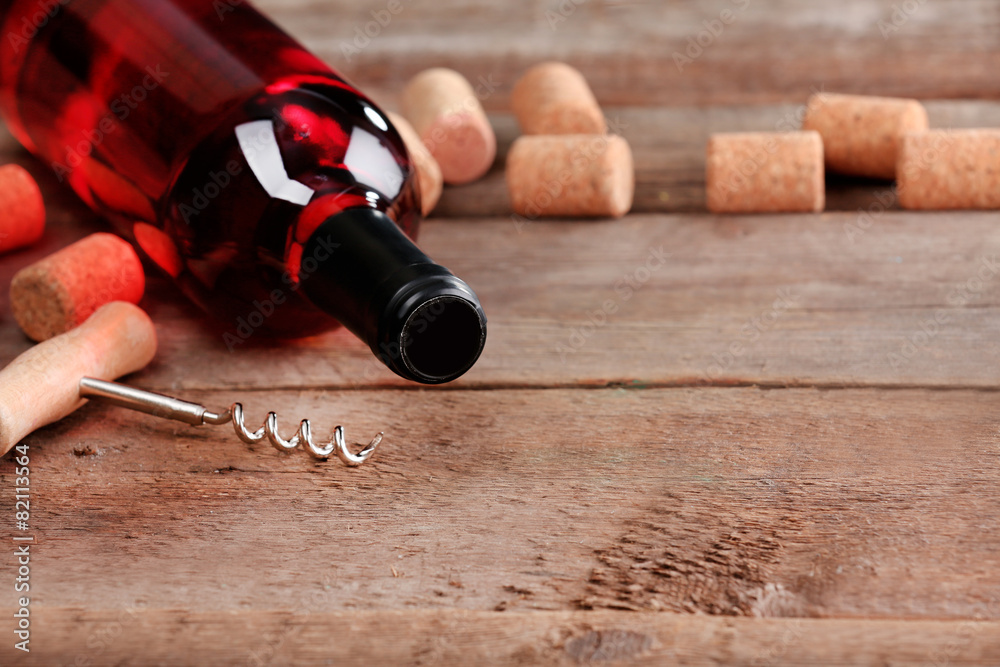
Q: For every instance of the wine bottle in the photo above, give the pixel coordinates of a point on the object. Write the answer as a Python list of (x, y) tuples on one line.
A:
[(278, 197)]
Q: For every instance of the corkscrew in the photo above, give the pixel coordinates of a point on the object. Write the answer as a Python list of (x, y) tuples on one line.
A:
[(197, 415)]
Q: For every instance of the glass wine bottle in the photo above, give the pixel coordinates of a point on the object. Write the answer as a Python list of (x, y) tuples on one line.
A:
[(277, 196)]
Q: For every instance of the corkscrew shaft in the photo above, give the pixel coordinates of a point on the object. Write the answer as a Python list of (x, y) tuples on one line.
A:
[(194, 414)]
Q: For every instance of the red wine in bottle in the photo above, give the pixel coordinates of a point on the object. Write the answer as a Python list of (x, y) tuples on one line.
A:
[(278, 197)]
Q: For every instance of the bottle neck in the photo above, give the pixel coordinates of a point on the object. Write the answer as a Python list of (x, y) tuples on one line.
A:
[(418, 318)]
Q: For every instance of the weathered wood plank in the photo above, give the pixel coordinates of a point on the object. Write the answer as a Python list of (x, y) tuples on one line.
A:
[(668, 145), (453, 637), (898, 299), (162, 544), (865, 287), (669, 149), (769, 52), (731, 501)]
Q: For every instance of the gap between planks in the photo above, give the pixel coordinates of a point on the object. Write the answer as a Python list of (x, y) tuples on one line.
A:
[(447, 637)]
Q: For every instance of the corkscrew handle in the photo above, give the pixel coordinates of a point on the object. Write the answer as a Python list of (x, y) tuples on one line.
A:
[(40, 386), (194, 414)]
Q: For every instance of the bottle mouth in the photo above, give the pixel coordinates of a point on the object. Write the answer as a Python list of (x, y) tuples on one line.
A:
[(442, 339), (433, 328), (417, 317)]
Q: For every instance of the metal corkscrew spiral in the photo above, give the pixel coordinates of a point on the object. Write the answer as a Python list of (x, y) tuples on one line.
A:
[(192, 413)]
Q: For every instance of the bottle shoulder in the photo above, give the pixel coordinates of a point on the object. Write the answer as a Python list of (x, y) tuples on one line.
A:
[(253, 191), (299, 142)]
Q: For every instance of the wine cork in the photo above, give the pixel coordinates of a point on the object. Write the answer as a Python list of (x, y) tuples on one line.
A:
[(448, 118), (61, 291), (765, 172), (554, 98), (950, 169), (43, 384), (428, 171), (861, 135), (574, 175), (22, 211)]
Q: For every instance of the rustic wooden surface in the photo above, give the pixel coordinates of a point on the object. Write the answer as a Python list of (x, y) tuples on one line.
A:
[(780, 446)]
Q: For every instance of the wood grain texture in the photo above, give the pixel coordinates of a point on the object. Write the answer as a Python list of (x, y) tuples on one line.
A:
[(665, 300), (629, 63), (838, 299), (692, 439), (668, 145), (769, 52), (455, 637), (725, 501)]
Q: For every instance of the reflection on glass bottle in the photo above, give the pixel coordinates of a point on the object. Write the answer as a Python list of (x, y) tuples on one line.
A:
[(275, 194)]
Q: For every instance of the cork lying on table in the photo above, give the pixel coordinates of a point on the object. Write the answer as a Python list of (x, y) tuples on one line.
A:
[(62, 290), (950, 169), (862, 134), (428, 170), (571, 175), (554, 98), (22, 211), (446, 113), (765, 172)]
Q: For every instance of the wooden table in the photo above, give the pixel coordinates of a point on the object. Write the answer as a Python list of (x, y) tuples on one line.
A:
[(780, 446)]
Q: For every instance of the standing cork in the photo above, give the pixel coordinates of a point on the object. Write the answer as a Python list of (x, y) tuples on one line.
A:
[(861, 135), (554, 98), (428, 171), (575, 175), (43, 384), (22, 212), (448, 118), (61, 291), (950, 169), (765, 172)]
